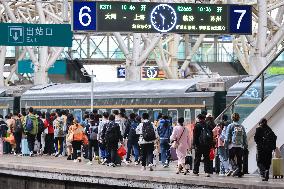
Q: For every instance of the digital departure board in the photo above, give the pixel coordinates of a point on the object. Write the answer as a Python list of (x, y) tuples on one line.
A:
[(162, 17)]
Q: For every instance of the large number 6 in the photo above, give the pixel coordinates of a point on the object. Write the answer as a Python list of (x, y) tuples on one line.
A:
[(81, 15), (242, 12)]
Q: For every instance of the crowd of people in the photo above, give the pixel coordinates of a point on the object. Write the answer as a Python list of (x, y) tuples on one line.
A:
[(110, 139)]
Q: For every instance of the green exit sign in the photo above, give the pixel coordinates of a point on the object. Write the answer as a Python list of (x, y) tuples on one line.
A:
[(52, 35)]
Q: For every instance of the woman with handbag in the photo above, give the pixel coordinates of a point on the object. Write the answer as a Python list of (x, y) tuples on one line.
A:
[(181, 142)]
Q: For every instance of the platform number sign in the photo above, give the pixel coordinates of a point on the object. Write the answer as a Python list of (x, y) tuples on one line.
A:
[(84, 15), (240, 19)]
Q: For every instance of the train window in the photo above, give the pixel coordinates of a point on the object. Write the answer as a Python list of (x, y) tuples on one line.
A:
[(173, 113), (52, 110), (128, 111), (43, 110), (210, 112), (187, 116), (88, 110), (77, 113), (4, 112), (156, 113), (197, 112), (113, 110), (141, 111), (101, 111)]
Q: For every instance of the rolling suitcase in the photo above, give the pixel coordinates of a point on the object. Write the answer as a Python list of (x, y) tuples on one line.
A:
[(25, 148), (277, 167)]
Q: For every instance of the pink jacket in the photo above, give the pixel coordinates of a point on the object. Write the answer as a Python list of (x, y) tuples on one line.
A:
[(216, 134)]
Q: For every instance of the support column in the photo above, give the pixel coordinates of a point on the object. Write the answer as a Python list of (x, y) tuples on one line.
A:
[(40, 74), (2, 61)]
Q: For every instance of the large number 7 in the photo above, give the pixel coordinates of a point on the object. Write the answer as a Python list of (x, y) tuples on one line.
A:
[(242, 12)]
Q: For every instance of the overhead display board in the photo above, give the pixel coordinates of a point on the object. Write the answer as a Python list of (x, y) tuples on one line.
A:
[(162, 17)]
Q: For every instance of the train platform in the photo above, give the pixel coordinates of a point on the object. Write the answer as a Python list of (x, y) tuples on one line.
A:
[(52, 170)]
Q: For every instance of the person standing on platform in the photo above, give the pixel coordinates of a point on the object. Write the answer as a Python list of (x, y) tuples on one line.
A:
[(202, 142), (31, 129), (92, 131), (266, 142), (49, 138), (18, 131), (3, 132), (112, 136), (148, 134), (69, 122), (165, 130), (132, 139), (180, 134), (58, 125), (236, 139), (103, 123), (78, 134)]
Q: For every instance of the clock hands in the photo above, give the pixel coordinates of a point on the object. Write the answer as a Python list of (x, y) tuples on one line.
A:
[(163, 18)]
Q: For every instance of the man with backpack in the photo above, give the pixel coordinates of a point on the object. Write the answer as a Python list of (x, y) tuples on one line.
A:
[(31, 129), (236, 141), (265, 140), (165, 130), (132, 138), (148, 134), (202, 142), (58, 125), (92, 132), (111, 136), (17, 131)]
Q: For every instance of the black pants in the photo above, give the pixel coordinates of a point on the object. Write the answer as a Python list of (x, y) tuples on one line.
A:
[(112, 150), (18, 139), (93, 144), (76, 145), (238, 153), (263, 161), (31, 141), (198, 154), (147, 153), (245, 161), (49, 143)]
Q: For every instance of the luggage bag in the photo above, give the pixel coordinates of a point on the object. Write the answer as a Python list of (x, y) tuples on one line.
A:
[(277, 167), (25, 148)]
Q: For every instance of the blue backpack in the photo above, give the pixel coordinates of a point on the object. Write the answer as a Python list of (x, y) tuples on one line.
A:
[(29, 124)]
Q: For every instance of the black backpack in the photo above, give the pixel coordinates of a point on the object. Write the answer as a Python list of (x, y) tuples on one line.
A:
[(206, 136), (40, 126), (110, 135), (148, 132), (269, 140), (18, 126), (3, 129)]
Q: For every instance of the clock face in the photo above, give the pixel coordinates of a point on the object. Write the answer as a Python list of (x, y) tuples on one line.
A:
[(163, 18)]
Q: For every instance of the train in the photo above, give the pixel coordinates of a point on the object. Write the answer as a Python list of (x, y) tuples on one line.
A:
[(176, 98)]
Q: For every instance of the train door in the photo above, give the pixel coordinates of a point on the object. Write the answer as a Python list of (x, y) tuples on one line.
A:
[(173, 113)]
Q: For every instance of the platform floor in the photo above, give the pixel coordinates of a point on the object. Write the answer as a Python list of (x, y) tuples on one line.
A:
[(126, 175)]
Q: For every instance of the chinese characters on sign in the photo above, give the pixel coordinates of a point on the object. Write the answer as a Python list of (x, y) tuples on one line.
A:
[(163, 17), (17, 34)]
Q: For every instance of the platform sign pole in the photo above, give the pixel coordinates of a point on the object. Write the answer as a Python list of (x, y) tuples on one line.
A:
[(92, 91)]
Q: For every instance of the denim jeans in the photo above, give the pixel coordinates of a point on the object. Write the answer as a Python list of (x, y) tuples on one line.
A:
[(132, 145), (165, 147), (223, 156)]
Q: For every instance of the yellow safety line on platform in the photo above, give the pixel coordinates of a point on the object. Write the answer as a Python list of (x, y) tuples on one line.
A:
[(121, 106)]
